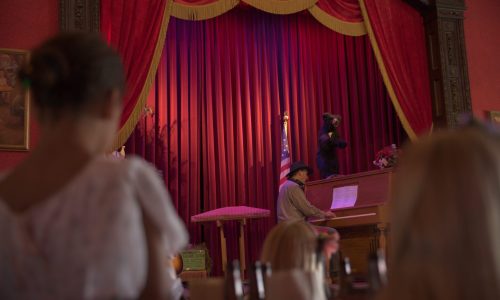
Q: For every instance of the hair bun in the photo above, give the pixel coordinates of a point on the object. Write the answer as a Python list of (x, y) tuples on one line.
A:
[(71, 70), (49, 69)]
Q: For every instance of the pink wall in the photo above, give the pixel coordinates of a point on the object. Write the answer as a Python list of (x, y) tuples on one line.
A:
[(482, 37), (23, 25)]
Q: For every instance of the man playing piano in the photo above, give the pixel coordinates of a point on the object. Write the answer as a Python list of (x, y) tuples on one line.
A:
[(292, 202)]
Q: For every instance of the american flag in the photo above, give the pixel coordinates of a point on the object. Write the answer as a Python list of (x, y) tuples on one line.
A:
[(285, 154)]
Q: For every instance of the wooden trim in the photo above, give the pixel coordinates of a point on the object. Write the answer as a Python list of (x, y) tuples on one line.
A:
[(447, 59), (79, 15)]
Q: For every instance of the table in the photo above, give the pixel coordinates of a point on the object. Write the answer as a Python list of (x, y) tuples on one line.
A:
[(232, 213)]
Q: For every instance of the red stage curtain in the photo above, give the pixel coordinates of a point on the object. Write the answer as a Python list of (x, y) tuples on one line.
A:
[(221, 87), (137, 30), (342, 16), (396, 31), (346, 10), (168, 134)]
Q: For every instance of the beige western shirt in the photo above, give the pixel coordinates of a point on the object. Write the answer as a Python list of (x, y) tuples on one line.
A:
[(293, 205)]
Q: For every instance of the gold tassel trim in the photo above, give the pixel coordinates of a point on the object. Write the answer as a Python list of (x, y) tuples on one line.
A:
[(281, 7), (130, 124), (385, 76), (337, 25), (202, 12)]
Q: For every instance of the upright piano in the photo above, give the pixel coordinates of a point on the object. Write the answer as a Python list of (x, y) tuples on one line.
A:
[(364, 224)]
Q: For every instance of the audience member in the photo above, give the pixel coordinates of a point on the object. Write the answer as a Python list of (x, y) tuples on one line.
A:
[(74, 224), (289, 245), (446, 218), (293, 246)]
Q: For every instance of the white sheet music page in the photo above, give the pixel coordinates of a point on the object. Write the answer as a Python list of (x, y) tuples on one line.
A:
[(345, 196)]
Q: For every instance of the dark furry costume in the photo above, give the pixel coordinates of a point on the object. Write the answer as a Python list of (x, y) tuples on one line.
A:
[(327, 154)]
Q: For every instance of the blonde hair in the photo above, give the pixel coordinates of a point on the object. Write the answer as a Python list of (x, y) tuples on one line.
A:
[(290, 245), (446, 218)]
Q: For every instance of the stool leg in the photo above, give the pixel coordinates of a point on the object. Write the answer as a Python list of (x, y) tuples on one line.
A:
[(242, 247), (222, 245)]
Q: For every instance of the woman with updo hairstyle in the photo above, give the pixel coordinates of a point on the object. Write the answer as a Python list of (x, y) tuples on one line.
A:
[(292, 246), (446, 218), (73, 223)]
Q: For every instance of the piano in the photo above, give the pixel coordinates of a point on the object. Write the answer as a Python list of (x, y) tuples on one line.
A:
[(363, 227)]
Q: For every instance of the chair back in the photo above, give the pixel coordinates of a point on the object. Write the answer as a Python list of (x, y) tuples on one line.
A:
[(200, 289), (258, 276), (229, 287), (377, 271), (233, 283), (295, 285)]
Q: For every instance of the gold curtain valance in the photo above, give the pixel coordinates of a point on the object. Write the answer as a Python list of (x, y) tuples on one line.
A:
[(217, 8), (281, 7), (337, 25), (202, 12)]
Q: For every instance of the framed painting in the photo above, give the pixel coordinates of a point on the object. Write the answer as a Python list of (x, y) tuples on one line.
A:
[(494, 117), (14, 101)]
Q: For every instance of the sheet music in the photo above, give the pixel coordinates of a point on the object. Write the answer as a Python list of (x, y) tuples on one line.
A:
[(345, 196)]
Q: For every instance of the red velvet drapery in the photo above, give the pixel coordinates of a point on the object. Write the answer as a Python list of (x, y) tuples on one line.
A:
[(396, 31), (346, 10), (138, 30), (134, 28), (220, 89)]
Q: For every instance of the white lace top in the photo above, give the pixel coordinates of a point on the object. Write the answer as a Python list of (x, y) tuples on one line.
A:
[(87, 241)]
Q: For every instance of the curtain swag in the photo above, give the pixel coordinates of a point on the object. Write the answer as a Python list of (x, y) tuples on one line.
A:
[(130, 124), (202, 12), (337, 25)]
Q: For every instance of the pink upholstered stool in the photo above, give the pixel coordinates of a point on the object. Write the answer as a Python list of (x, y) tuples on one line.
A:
[(237, 213)]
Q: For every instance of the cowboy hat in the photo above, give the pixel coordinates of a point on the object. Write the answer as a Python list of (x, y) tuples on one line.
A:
[(297, 166)]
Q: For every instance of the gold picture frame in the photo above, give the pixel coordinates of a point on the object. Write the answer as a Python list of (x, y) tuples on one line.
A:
[(14, 102)]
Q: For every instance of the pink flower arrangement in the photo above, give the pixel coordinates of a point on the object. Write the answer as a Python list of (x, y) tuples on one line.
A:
[(387, 157)]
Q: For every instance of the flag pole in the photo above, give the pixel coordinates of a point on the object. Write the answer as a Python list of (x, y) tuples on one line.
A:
[(285, 152), (285, 123)]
